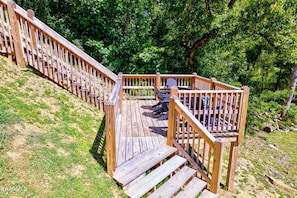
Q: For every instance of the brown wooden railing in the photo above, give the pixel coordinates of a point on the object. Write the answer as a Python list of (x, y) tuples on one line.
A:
[(218, 110), (113, 109), (141, 86), (32, 42), (194, 142)]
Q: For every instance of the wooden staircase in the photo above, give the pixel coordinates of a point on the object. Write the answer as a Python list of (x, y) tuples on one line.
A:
[(159, 172)]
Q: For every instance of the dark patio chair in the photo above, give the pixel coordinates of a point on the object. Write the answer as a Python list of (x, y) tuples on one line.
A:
[(163, 96)]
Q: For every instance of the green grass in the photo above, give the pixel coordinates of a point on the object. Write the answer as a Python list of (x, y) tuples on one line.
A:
[(51, 143)]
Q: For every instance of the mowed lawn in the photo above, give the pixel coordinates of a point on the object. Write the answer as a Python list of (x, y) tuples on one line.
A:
[(51, 143)]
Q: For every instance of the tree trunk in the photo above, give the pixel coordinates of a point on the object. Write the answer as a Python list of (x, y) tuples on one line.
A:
[(191, 50), (293, 88)]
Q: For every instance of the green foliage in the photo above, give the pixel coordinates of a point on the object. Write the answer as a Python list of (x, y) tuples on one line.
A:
[(268, 106)]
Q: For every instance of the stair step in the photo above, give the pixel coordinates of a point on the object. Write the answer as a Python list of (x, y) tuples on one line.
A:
[(174, 184), (208, 194), (135, 167), (192, 189), (146, 183)]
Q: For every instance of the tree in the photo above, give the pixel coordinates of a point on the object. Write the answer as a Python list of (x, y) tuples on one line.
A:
[(293, 88)]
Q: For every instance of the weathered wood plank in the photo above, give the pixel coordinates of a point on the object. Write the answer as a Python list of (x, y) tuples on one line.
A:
[(192, 188), (155, 177), (174, 184), (207, 194), (139, 164)]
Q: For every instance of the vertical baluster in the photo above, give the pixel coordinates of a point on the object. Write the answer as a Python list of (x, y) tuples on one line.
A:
[(215, 112), (230, 110), (220, 116), (208, 159), (235, 112), (194, 101), (89, 87), (225, 124), (200, 106), (198, 148)]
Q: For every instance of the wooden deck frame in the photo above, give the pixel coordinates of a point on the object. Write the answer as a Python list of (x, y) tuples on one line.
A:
[(32, 42)]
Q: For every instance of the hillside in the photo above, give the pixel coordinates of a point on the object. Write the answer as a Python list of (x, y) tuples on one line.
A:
[(50, 142), (51, 146)]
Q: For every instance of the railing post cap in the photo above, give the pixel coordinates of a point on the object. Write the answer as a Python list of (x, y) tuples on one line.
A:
[(194, 73), (12, 3), (220, 140)]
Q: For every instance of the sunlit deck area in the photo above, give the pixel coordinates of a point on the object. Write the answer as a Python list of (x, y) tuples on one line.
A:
[(203, 115), (139, 130)]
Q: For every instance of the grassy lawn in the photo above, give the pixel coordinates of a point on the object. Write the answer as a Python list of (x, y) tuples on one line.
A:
[(51, 143)]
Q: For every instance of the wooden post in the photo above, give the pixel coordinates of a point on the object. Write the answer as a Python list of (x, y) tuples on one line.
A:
[(217, 166), (31, 15), (193, 81), (15, 29), (121, 91), (243, 113), (232, 165), (212, 85), (158, 82), (110, 138), (171, 118)]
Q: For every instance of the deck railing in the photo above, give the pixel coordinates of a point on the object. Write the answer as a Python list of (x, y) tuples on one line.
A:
[(32, 42), (218, 110), (140, 86), (113, 109), (220, 107), (194, 142)]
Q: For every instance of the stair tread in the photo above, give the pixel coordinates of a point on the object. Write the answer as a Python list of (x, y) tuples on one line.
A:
[(208, 194), (194, 187), (174, 184), (146, 183), (130, 170)]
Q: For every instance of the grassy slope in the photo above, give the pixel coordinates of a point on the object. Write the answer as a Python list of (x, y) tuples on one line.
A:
[(47, 138)]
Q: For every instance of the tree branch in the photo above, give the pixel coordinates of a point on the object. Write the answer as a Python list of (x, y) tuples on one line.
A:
[(191, 50), (231, 4), (268, 40), (208, 10)]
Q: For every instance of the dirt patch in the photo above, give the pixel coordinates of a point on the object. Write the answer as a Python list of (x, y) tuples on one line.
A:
[(62, 152), (76, 171), (18, 146)]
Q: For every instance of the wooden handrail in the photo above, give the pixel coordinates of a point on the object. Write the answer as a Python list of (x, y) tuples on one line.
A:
[(113, 108), (218, 110), (33, 43), (39, 25), (194, 142)]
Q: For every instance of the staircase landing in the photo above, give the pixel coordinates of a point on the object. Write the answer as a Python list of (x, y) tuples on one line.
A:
[(139, 129)]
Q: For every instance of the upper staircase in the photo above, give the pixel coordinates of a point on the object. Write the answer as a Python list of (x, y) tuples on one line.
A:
[(31, 42), (159, 172)]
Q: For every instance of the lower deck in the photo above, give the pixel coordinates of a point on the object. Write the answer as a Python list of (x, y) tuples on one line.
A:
[(138, 129)]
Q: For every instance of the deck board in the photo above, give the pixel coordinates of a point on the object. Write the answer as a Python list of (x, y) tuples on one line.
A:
[(139, 130)]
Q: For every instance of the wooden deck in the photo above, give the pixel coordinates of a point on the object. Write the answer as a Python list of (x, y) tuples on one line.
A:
[(138, 129)]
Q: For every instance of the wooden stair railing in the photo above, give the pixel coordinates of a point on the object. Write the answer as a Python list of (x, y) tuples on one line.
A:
[(32, 42), (113, 110), (195, 143)]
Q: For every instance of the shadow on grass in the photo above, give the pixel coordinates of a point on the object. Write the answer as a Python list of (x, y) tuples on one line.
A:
[(98, 147)]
